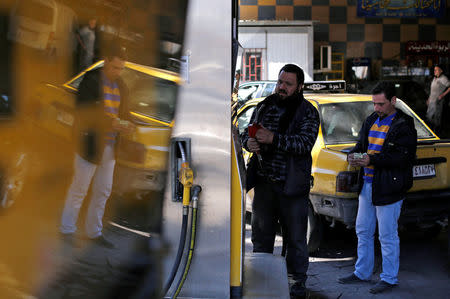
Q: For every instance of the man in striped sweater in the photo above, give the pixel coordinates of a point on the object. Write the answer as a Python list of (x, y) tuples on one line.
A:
[(385, 152), (102, 113)]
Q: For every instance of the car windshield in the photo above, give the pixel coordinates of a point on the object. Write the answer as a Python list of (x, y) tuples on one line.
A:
[(247, 92), (76, 82), (244, 118), (150, 95), (341, 122)]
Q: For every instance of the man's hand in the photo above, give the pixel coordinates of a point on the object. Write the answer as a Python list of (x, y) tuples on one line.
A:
[(352, 161), (123, 126), (264, 136), (253, 145), (365, 161)]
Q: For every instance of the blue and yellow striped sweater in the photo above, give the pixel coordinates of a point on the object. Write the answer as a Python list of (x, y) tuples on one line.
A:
[(111, 101), (377, 135)]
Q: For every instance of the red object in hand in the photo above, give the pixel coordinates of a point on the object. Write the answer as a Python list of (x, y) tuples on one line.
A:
[(252, 129)]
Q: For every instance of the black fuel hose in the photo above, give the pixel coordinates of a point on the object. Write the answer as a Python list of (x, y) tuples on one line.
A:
[(177, 261), (195, 193), (183, 232)]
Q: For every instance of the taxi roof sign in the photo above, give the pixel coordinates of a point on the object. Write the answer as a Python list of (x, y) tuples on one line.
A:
[(321, 86)]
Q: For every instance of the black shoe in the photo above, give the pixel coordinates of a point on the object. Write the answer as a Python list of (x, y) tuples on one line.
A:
[(352, 278), (101, 241), (298, 290), (381, 286)]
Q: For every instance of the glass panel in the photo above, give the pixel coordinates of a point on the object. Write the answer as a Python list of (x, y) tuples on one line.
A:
[(341, 122), (90, 160)]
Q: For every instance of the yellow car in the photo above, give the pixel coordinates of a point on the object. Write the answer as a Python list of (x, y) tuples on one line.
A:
[(333, 193), (142, 156)]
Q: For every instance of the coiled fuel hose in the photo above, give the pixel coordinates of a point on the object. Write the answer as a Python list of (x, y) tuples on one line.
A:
[(195, 193), (186, 178)]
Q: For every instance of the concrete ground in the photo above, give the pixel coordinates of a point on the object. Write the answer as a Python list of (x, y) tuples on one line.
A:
[(424, 267)]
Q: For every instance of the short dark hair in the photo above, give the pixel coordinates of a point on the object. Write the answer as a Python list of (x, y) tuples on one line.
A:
[(441, 66), (115, 50), (292, 68), (385, 87)]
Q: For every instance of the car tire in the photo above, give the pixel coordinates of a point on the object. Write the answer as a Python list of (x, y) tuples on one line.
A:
[(315, 230)]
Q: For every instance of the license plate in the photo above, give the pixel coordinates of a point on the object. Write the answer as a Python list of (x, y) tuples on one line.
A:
[(65, 117), (424, 171)]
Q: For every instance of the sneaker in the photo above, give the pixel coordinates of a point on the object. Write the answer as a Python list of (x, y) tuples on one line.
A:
[(298, 290), (381, 287), (101, 241), (352, 278)]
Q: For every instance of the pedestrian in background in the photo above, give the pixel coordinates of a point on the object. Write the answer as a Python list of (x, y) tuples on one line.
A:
[(103, 112), (385, 152), (87, 40), (440, 87), (280, 171)]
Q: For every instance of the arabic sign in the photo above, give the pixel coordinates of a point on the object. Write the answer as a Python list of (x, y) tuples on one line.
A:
[(401, 8), (324, 86), (441, 48)]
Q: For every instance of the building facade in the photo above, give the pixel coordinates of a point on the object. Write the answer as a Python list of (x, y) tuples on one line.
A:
[(383, 40)]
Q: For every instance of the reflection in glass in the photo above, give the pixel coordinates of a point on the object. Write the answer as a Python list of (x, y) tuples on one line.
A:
[(39, 115)]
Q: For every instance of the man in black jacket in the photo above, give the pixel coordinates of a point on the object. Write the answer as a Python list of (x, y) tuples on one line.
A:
[(102, 112), (385, 152), (280, 170)]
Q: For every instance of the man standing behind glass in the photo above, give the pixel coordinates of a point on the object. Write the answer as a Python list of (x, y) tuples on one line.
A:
[(282, 177), (102, 106), (385, 152)]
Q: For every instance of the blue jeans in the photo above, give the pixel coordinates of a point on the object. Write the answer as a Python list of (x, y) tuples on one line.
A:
[(387, 217)]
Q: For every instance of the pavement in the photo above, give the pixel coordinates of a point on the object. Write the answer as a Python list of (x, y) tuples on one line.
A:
[(424, 267), (88, 270)]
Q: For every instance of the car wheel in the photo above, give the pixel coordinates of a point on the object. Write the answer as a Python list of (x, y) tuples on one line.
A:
[(314, 231)]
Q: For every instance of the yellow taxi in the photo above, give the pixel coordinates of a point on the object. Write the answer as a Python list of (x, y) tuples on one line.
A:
[(142, 155), (333, 194)]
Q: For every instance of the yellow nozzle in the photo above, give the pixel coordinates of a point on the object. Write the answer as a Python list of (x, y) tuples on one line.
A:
[(186, 177)]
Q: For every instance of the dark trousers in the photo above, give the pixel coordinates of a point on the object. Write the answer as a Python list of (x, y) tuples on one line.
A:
[(271, 207)]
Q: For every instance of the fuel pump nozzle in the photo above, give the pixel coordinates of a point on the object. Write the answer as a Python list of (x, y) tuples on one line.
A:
[(252, 129)]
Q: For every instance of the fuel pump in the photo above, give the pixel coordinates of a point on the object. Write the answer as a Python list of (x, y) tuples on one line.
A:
[(182, 182)]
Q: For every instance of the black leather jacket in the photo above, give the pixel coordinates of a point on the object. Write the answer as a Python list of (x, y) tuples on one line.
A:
[(393, 165), (299, 127)]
